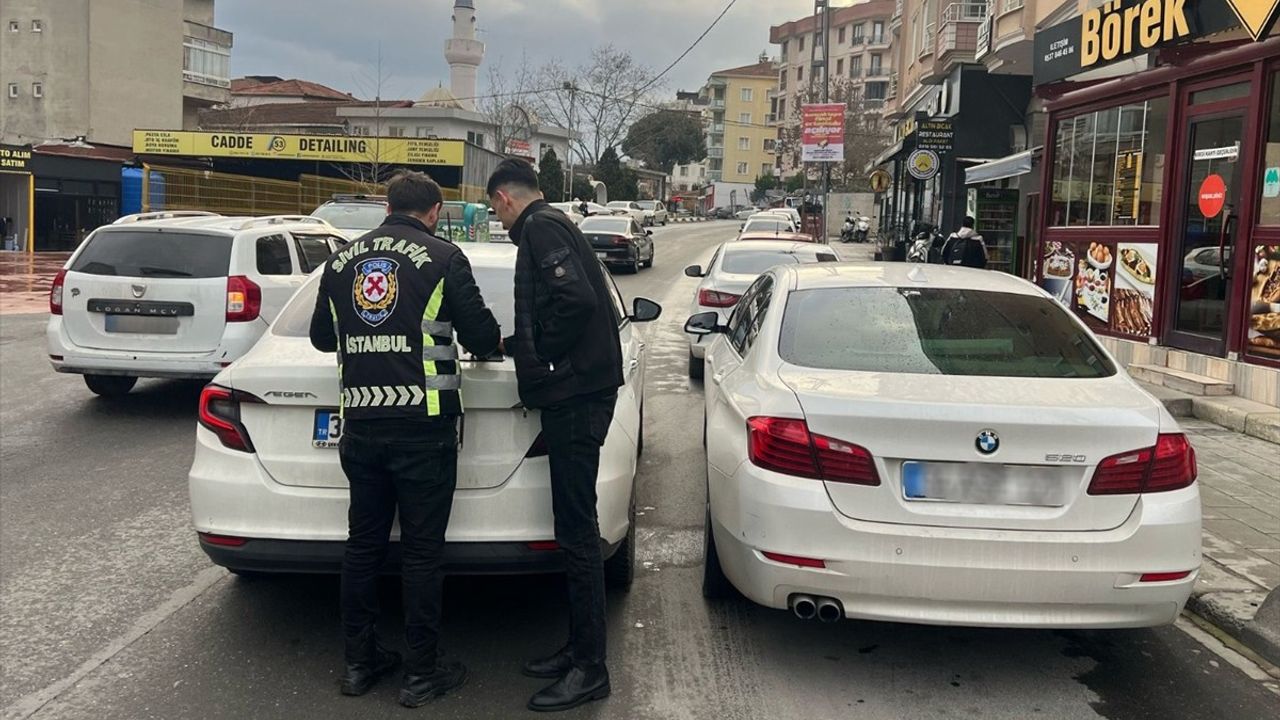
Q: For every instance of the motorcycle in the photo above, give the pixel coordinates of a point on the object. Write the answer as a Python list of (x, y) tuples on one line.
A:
[(847, 230), (923, 247), (863, 229)]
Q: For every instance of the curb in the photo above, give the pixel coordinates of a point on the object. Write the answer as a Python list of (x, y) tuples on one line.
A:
[(1232, 412), (1223, 610)]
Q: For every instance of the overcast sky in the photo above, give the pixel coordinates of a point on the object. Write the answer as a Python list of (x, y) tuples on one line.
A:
[(335, 42)]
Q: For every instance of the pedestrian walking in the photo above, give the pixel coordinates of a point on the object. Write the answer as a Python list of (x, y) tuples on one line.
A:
[(569, 366), (965, 247), (389, 303)]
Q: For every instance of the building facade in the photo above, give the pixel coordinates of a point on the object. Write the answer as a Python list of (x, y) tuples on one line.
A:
[(860, 49), (741, 140), (97, 69)]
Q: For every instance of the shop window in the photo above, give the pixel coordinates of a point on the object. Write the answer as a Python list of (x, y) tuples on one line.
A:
[(1221, 93), (1269, 204), (1109, 166)]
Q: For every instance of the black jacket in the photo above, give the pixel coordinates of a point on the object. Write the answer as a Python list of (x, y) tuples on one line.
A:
[(566, 336), (965, 249), (389, 304)]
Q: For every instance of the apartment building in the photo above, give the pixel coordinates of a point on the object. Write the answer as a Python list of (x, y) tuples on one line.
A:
[(740, 138), (100, 68), (861, 67)]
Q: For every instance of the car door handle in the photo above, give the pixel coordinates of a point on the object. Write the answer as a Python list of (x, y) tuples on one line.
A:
[(633, 366)]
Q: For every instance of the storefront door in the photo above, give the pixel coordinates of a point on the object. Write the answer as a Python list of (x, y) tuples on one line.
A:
[(1205, 238)]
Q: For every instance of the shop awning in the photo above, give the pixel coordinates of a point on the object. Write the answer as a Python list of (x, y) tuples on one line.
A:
[(999, 169)]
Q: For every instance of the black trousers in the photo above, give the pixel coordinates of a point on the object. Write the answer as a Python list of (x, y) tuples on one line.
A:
[(574, 432), (412, 467)]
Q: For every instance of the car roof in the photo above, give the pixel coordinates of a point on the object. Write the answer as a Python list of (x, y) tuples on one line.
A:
[(228, 224), (900, 274), (756, 236), (781, 246)]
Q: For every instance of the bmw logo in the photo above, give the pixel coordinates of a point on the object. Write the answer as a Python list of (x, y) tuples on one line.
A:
[(987, 442)]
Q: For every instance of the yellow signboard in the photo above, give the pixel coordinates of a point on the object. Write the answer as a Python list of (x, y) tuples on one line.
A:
[(328, 148)]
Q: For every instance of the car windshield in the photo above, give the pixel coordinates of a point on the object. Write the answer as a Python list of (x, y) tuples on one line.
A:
[(754, 262), (767, 225), (937, 331), (352, 216), (496, 283), (606, 224), (155, 254)]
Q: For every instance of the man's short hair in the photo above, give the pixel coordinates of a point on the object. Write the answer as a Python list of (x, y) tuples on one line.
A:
[(413, 192), (967, 221), (513, 171)]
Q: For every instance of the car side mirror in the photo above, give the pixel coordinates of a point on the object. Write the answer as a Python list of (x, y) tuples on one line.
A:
[(693, 271), (644, 310), (706, 323), (648, 232)]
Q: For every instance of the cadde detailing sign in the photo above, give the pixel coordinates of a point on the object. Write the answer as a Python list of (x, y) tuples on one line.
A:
[(15, 158), (1121, 29), (329, 148), (822, 132)]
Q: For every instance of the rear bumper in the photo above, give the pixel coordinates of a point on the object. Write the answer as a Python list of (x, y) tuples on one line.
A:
[(616, 256), (236, 341), (325, 557), (949, 576)]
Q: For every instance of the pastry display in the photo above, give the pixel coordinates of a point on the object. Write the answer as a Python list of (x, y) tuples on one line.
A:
[(1133, 312), (1136, 267)]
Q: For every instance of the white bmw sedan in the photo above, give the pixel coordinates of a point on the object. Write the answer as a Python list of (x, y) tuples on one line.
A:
[(942, 446), (268, 494)]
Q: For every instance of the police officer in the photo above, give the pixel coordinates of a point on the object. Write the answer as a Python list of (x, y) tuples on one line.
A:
[(389, 303), (569, 365)]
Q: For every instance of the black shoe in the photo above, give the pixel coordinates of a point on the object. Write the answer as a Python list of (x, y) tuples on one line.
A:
[(551, 667), (578, 686), (361, 677), (419, 689)]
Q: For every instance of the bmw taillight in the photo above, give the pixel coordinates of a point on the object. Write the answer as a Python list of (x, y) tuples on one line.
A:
[(220, 412), (55, 293), (716, 299), (244, 299), (785, 445), (1168, 465)]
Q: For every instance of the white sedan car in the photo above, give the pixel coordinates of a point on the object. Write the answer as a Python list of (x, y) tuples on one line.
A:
[(268, 493), (733, 267), (768, 223), (941, 446), (632, 208)]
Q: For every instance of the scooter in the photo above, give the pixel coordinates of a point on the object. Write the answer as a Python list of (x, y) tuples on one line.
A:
[(921, 245), (847, 230), (862, 230)]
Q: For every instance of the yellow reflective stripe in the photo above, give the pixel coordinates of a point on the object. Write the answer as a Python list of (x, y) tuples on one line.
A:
[(429, 315), (342, 396)]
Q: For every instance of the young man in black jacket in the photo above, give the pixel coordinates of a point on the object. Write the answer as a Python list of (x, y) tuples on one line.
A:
[(569, 366), (389, 303)]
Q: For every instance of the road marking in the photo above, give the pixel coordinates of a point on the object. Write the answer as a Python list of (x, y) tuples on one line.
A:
[(34, 702), (1265, 673)]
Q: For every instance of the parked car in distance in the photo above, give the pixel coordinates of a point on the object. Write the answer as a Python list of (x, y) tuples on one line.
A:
[(936, 445), (788, 236), (722, 213), (268, 494), (789, 212), (630, 207), (619, 241), (745, 213), (733, 267), (655, 212), (177, 294), (768, 223), (353, 215), (571, 210)]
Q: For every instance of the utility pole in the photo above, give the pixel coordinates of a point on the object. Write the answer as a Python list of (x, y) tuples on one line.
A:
[(572, 87), (825, 6)]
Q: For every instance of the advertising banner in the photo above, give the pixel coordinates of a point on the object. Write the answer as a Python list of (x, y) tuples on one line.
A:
[(15, 158), (822, 132), (1264, 302), (269, 146)]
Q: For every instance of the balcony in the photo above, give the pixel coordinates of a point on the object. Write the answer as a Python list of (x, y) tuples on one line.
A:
[(717, 128), (1008, 45), (984, 38), (715, 152), (877, 71), (857, 40), (880, 40), (206, 64), (1007, 6), (717, 103), (958, 33)]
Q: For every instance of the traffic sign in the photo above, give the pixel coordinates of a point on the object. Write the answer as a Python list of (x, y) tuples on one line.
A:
[(879, 181), (923, 164)]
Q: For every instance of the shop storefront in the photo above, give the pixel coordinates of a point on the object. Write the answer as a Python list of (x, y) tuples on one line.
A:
[(17, 190), (76, 191), (1161, 219)]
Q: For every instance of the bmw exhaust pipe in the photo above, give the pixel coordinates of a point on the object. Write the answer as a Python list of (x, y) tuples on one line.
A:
[(804, 607), (829, 610)]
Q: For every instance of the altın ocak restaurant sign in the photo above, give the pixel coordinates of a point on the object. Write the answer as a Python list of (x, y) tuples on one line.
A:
[(1121, 29), (328, 148)]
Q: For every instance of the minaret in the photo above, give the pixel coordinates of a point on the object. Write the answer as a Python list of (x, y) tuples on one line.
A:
[(464, 53)]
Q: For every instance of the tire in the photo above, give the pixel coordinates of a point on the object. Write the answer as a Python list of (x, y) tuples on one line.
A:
[(634, 267), (110, 386), (715, 585), (697, 367), (620, 569), (649, 263)]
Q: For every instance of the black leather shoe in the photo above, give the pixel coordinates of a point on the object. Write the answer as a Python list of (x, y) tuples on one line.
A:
[(359, 678), (551, 667), (578, 686), (419, 689)]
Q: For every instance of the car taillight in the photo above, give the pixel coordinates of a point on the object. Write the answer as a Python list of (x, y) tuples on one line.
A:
[(716, 299), (1169, 465), (785, 445), (223, 540), (220, 412), (55, 293), (620, 240), (244, 299)]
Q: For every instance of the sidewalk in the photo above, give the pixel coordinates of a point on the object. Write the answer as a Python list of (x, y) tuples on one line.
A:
[(25, 279)]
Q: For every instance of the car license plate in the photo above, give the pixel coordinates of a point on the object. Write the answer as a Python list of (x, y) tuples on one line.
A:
[(602, 255), (141, 324), (984, 484), (327, 430)]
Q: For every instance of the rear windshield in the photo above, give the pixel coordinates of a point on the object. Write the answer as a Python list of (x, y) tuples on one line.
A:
[(352, 216), (773, 226), (155, 254), (754, 262), (937, 331), (616, 225)]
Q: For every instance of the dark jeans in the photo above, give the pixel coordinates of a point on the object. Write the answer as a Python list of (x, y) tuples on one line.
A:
[(412, 467), (574, 432)]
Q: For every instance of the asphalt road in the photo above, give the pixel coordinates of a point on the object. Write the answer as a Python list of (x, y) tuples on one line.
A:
[(108, 609)]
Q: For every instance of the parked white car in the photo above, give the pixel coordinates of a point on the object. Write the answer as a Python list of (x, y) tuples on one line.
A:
[(176, 294), (942, 446), (268, 493), (571, 210), (655, 212), (630, 207), (353, 215), (733, 267), (768, 223), (791, 213)]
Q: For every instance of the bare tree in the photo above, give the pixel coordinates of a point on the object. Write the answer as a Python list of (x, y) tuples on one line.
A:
[(373, 170), (608, 91), (508, 101)]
